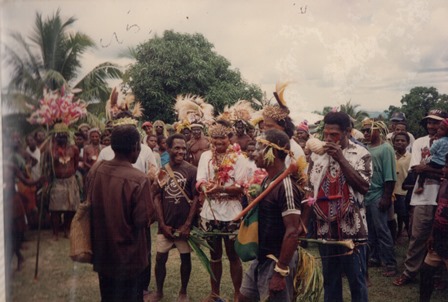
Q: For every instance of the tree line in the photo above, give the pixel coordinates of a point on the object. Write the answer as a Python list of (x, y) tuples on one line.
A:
[(165, 66)]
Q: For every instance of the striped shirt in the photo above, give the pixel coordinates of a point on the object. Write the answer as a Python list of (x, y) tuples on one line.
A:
[(283, 200)]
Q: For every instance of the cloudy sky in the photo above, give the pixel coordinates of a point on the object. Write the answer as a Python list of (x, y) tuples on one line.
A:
[(369, 52)]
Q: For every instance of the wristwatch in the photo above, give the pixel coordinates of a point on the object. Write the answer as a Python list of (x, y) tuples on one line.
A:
[(282, 272)]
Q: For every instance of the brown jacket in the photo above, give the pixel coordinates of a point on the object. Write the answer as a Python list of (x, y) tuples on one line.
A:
[(121, 207)]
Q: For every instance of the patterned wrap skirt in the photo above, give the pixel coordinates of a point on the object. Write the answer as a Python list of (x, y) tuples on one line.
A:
[(64, 194)]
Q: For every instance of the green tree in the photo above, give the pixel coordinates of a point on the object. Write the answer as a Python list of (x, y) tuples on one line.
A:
[(50, 57), (184, 64), (350, 109), (416, 104)]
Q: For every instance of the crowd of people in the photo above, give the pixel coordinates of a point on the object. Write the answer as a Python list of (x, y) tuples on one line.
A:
[(373, 186)]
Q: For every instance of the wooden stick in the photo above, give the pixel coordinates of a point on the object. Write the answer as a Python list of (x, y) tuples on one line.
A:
[(292, 167), (41, 209)]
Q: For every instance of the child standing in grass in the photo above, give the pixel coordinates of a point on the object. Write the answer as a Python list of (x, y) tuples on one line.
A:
[(400, 142)]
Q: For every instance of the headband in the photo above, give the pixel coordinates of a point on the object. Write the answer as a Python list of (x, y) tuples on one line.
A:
[(197, 125), (376, 125), (276, 113), (124, 121), (94, 130), (269, 155), (60, 128), (219, 130)]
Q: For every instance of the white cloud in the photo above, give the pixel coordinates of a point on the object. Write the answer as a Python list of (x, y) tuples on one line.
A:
[(369, 52)]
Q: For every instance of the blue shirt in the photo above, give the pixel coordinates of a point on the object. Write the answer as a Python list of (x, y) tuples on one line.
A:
[(165, 158), (439, 149)]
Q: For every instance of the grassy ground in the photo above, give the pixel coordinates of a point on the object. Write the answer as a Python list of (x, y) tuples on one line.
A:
[(60, 279)]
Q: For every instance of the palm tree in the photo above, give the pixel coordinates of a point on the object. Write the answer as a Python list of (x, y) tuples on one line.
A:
[(357, 115), (51, 57), (352, 110), (324, 111)]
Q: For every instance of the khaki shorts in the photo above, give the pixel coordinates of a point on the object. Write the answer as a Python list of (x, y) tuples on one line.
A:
[(164, 245)]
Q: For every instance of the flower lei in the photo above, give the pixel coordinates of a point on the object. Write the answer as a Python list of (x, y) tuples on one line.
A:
[(253, 188), (222, 170)]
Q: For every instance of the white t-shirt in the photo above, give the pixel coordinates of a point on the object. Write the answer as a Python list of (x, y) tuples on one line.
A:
[(296, 150), (227, 208), (35, 170), (420, 151), (144, 161)]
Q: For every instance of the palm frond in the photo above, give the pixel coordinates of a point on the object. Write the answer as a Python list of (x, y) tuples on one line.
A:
[(94, 85), (54, 79), (196, 240), (33, 61), (93, 120), (26, 75), (18, 102), (73, 46)]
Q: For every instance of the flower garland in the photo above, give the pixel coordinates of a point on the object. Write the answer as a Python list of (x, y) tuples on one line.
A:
[(58, 106), (253, 188), (223, 167)]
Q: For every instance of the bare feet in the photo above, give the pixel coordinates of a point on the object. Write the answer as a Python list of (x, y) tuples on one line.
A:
[(212, 297), (183, 298), (235, 296), (155, 297)]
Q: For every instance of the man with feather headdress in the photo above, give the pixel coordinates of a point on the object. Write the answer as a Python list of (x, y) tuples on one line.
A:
[(64, 190), (118, 109), (239, 114), (271, 276), (193, 111), (277, 117), (60, 159)]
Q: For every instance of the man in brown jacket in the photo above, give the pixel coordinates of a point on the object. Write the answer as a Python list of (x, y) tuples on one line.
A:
[(121, 207)]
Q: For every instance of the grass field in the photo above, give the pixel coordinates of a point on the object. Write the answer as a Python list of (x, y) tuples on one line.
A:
[(60, 279)]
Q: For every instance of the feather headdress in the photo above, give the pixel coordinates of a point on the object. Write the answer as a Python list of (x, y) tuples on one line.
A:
[(279, 90), (193, 108), (122, 100), (257, 117), (278, 112), (240, 111)]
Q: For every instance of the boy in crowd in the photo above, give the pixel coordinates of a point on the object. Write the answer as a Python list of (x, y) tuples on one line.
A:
[(403, 158)]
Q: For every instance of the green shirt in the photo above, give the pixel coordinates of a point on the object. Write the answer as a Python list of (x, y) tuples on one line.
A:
[(384, 169)]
